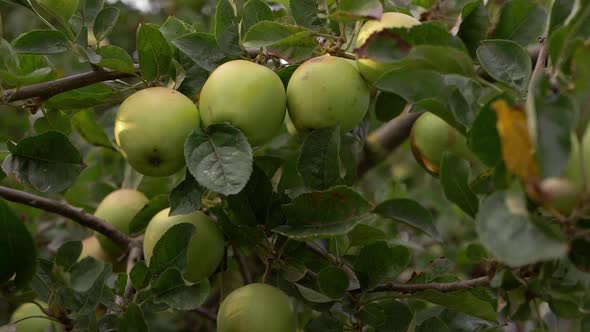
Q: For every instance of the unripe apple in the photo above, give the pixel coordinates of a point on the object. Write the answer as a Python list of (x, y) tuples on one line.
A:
[(62, 9), (255, 308), (562, 194), (151, 127), (327, 91), (249, 96), (205, 249), (92, 248), (118, 209), (431, 136), (32, 324), (372, 69)]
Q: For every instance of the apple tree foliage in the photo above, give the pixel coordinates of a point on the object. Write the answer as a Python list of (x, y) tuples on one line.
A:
[(359, 235)]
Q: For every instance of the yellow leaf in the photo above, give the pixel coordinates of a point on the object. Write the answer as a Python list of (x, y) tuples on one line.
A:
[(517, 147)]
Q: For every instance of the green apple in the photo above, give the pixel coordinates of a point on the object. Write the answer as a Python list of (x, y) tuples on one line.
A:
[(431, 136), (206, 247), (255, 308), (327, 91), (32, 324), (562, 194), (151, 127), (92, 248), (249, 96), (118, 209), (369, 68), (62, 9)]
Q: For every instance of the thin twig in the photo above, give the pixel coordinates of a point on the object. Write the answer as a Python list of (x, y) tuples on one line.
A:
[(530, 101), (135, 254), (244, 269), (207, 314), (438, 286), (49, 89), (76, 214), (334, 260)]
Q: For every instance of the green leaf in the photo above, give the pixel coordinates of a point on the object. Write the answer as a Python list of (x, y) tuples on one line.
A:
[(390, 45), (474, 25), (291, 43), (201, 48), (312, 295), (410, 213), (505, 229), (398, 317), (90, 9), (91, 131), (105, 22), (378, 263), (454, 177), (254, 12), (219, 158), (68, 253), (92, 95), (559, 12), (555, 122), (41, 42), (116, 58), (352, 10), (154, 52), (227, 28), (305, 13), (333, 282), (186, 196), (53, 120), (388, 106), (362, 235), (170, 289), (483, 137), (88, 289), (143, 217), (251, 206), (319, 162), (17, 249), (579, 254), (506, 61), (140, 275), (85, 274), (324, 213), (47, 162), (173, 28), (466, 301), (522, 21), (372, 314), (170, 250), (433, 324), (413, 84), (580, 67), (132, 320)]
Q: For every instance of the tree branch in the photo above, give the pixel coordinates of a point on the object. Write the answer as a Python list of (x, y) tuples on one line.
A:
[(49, 89), (438, 286), (386, 139), (76, 214)]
